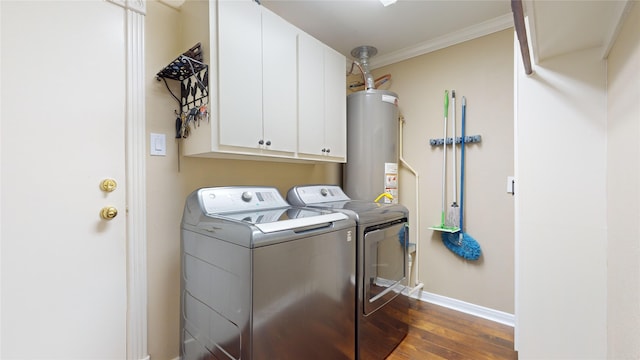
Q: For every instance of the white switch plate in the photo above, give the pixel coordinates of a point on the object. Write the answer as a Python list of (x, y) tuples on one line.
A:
[(510, 184), (158, 144)]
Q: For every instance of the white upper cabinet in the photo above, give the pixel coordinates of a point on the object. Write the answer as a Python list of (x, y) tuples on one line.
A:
[(321, 101), (310, 95), (240, 73), (279, 82), (335, 105), (269, 89)]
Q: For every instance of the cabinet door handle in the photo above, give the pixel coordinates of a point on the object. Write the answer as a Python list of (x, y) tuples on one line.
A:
[(324, 150), (261, 142), (268, 143), (328, 150)]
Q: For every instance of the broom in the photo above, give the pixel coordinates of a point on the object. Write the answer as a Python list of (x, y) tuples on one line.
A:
[(461, 243), (453, 219), (443, 226)]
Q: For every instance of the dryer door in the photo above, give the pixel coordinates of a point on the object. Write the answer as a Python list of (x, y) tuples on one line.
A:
[(385, 256)]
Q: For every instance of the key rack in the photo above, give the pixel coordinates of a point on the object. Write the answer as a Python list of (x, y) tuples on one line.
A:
[(193, 75), (185, 65)]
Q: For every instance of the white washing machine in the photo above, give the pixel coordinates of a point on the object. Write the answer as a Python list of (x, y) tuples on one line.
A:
[(265, 280), (382, 239)]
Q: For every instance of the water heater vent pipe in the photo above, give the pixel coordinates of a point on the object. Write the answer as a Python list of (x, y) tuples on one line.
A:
[(363, 53)]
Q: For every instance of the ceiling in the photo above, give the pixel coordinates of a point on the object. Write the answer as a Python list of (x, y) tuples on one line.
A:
[(393, 30), (413, 27)]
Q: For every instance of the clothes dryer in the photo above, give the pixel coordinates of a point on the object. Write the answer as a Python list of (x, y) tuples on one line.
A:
[(382, 237)]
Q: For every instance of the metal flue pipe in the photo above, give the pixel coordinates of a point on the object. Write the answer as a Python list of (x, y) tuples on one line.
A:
[(363, 53)]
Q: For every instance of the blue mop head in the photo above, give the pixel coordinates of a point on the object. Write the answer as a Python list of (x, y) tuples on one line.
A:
[(403, 236), (462, 244)]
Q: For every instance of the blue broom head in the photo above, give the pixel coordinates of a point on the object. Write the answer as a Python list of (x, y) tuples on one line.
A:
[(462, 244)]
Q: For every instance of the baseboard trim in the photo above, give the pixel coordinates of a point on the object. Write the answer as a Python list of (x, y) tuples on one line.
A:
[(467, 308)]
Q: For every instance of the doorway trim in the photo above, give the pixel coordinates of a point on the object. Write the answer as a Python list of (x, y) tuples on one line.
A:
[(135, 153)]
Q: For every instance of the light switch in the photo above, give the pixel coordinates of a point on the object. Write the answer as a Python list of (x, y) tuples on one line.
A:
[(158, 144), (511, 185)]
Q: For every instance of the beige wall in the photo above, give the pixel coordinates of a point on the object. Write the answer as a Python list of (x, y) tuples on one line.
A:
[(167, 187), (563, 279), (623, 202), (482, 71)]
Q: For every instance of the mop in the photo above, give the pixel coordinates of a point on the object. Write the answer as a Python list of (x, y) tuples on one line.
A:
[(443, 226), (461, 243)]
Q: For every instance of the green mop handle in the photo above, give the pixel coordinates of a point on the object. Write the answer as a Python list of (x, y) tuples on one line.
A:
[(444, 156), (446, 106)]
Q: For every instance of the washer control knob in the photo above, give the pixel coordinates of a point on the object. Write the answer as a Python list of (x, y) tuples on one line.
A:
[(247, 196), (324, 191)]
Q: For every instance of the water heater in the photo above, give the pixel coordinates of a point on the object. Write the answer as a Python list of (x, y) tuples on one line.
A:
[(372, 145)]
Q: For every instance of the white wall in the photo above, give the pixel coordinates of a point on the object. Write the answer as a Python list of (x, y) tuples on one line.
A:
[(623, 191), (561, 208)]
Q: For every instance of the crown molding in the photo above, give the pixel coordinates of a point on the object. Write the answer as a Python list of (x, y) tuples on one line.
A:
[(472, 32), (176, 4), (139, 6)]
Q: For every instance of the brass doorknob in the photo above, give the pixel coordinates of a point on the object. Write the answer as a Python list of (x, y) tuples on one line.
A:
[(108, 212), (108, 185)]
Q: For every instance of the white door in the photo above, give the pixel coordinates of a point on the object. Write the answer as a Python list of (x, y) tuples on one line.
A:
[(63, 132)]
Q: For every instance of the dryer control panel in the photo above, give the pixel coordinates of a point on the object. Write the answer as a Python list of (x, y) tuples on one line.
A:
[(315, 194)]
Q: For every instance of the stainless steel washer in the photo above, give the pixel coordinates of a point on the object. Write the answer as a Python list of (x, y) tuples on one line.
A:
[(382, 237), (264, 280)]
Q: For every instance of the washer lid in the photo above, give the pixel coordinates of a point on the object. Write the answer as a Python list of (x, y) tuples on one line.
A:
[(262, 207), (290, 218)]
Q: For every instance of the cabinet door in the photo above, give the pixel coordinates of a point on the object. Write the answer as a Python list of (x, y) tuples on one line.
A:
[(279, 82), (335, 103), (240, 73), (310, 95)]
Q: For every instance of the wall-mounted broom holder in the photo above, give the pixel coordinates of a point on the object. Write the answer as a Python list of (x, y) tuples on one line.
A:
[(467, 140)]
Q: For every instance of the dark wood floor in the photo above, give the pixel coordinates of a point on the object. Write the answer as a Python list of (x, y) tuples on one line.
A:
[(436, 332)]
